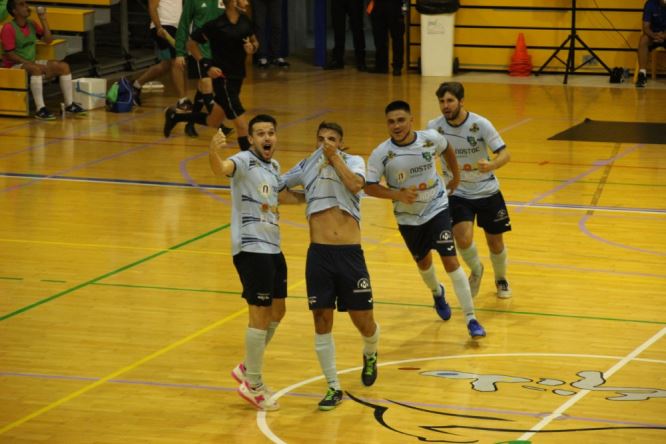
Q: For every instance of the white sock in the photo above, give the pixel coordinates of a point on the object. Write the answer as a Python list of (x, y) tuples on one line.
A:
[(463, 293), (430, 278), (370, 342), (271, 331), (471, 258), (255, 344), (325, 348), (66, 88), (499, 264), (136, 84), (643, 71), (36, 88)]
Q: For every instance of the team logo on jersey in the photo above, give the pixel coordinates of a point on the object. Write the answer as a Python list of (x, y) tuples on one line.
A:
[(427, 155), (390, 155), (440, 130), (472, 141), (474, 128), (265, 189), (467, 167), (401, 176), (423, 186), (428, 144)]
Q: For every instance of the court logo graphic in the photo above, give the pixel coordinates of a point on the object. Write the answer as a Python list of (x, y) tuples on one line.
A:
[(442, 425)]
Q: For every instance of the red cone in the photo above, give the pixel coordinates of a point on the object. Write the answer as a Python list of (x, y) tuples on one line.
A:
[(521, 62)]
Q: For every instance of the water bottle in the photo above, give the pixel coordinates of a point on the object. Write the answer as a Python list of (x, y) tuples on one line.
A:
[(405, 8), (63, 113)]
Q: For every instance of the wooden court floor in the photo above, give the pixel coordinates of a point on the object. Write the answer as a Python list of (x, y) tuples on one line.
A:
[(120, 314)]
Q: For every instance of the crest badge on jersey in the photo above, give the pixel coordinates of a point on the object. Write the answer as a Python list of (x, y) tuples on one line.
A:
[(401, 176), (472, 141), (474, 128), (427, 155), (265, 189)]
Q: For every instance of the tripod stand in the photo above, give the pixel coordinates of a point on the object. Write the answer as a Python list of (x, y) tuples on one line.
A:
[(570, 66)]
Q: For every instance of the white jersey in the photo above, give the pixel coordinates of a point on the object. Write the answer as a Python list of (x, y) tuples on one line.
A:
[(255, 185), (471, 141), (322, 185), (169, 12), (412, 165)]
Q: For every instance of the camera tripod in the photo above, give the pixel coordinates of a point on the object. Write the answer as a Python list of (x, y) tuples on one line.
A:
[(570, 41)]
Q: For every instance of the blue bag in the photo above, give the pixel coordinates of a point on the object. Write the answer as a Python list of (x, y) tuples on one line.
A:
[(120, 97)]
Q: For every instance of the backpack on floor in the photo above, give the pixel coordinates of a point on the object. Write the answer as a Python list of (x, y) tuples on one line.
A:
[(434, 7), (120, 97)]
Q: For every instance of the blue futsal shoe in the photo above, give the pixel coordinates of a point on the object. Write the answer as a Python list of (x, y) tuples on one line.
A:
[(476, 331), (441, 307)]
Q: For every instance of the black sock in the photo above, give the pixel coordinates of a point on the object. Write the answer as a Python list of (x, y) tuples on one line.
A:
[(200, 118), (208, 101), (198, 102), (243, 143)]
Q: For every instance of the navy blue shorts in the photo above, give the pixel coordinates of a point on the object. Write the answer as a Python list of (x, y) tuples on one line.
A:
[(435, 234), (337, 273), (490, 212), (264, 277)]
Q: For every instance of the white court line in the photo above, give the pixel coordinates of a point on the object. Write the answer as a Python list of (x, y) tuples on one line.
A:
[(262, 423), (561, 409)]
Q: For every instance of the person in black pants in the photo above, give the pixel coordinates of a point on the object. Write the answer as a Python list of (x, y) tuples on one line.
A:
[(354, 9), (232, 38), (387, 18)]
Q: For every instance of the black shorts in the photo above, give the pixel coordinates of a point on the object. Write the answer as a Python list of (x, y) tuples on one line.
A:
[(433, 235), (491, 212), (337, 272), (264, 277), (164, 49), (227, 95)]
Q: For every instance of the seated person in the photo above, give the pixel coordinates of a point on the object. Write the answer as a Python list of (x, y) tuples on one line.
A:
[(654, 35), (19, 42)]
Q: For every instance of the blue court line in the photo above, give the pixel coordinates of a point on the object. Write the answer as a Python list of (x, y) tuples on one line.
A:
[(111, 181), (313, 396), (79, 134)]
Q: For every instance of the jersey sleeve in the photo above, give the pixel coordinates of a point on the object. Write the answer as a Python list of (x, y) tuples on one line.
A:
[(184, 25), (375, 166), (356, 165), (8, 37), (242, 165), (200, 35), (493, 140), (38, 29), (281, 182), (441, 143), (294, 176)]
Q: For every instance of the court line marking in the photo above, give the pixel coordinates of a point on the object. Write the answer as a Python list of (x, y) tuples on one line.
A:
[(121, 371), (582, 226), (262, 423), (578, 396), (111, 273)]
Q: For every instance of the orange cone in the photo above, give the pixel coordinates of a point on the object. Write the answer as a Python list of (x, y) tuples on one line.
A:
[(521, 62)]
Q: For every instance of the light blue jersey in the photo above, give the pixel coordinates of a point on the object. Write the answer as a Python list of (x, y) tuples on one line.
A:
[(255, 185), (471, 141), (412, 165), (323, 188)]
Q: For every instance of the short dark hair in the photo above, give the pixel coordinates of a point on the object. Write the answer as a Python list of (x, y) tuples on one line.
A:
[(331, 126), (397, 105), (261, 118), (455, 88), (11, 5)]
